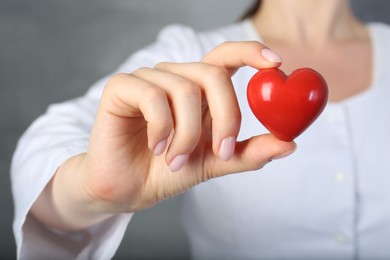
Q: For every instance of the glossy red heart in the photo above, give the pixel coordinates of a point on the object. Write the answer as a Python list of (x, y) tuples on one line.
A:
[(287, 106)]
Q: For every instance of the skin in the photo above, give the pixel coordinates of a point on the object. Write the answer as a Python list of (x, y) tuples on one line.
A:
[(159, 131), (323, 35)]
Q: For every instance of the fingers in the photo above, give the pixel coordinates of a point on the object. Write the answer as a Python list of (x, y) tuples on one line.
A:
[(185, 98), (130, 97), (251, 154), (213, 75), (233, 55), (221, 99), (170, 97)]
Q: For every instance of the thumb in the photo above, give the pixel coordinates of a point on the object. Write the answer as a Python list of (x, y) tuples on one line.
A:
[(251, 154)]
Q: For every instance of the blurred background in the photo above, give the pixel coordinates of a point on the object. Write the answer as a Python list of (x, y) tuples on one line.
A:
[(53, 50)]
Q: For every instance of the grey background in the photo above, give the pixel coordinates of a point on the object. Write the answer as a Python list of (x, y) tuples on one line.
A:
[(53, 50)]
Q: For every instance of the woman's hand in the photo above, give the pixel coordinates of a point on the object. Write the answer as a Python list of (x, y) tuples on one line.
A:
[(160, 131)]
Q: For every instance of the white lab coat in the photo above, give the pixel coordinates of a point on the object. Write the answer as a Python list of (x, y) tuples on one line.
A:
[(329, 200)]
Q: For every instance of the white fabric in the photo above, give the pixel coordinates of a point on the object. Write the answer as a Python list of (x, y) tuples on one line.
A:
[(329, 200)]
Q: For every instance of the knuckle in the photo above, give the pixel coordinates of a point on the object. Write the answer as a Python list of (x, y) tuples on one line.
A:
[(141, 71), (225, 44), (217, 73), (113, 83), (116, 79), (162, 65), (153, 95), (119, 76), (189, 89), (219, 48)]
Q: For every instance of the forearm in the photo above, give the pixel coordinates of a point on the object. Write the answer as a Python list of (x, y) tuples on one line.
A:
[(65, 203)]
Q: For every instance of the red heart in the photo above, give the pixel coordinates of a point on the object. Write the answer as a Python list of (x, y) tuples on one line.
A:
[(287, 106)]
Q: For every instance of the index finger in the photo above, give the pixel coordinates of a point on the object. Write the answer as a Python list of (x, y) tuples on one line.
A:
[(233, 55)]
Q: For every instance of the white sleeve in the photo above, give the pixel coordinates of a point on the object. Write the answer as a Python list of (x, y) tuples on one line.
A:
[(62, 132)]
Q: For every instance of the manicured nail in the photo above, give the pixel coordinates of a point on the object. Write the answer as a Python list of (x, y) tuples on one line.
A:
[(178, 162), (280, 156), (271, 56), (160, 147), (226, 149)]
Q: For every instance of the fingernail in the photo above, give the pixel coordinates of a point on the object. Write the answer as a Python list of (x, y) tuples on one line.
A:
[(160, 147), (226, 149), (280, 156), (271, 56), (178, 162)]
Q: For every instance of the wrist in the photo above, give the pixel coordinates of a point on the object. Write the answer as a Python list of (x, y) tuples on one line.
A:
[(73, 205)]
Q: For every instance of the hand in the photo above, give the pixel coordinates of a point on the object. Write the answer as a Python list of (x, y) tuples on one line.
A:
[(160, 131)]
